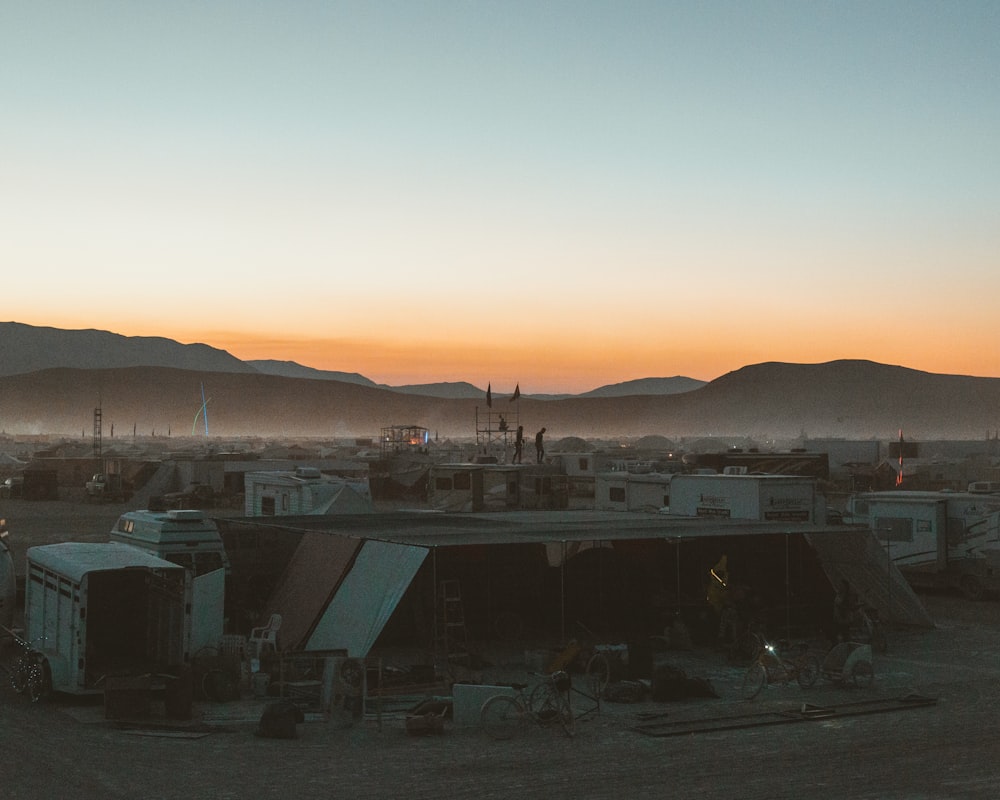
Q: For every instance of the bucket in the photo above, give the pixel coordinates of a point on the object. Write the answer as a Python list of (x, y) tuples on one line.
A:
[(260, 681)]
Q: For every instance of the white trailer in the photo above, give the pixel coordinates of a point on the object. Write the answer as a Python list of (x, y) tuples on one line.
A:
[(95, 610), (304, 490), (936, 539), (765, 498), (628, 491)]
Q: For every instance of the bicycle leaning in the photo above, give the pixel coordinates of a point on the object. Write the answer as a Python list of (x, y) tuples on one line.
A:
[(506, 715), (29, 674), (772, 667)]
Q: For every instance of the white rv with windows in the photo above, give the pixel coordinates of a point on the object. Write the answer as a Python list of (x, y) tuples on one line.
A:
[(937, 539)]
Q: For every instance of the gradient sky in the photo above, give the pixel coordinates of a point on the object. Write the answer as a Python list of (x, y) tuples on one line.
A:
[(556, 194)]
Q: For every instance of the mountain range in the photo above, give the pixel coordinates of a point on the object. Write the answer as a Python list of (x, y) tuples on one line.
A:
[(52, 380)]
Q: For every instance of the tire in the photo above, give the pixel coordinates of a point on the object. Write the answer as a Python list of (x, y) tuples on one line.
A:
[(863, 674), (503, 717), (808, 671), (598, 673), (551, 707), (754, 681)]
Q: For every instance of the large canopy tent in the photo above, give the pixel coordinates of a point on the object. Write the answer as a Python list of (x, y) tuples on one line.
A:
[(609, 571)]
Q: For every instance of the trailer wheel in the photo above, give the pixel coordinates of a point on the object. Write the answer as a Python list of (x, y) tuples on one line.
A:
[(971, 587)]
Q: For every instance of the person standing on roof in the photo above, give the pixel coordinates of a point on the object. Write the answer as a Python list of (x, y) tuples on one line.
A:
[(540, 445), (518, 444)]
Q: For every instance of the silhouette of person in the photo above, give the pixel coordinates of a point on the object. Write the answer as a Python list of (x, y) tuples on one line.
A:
[(540, 445), (518, 444)]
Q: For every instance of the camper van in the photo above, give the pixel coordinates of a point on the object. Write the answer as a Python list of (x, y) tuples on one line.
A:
[(183, 536), (936, 539), (190, 539)]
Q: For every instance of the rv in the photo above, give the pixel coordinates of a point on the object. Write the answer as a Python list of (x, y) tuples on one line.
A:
[(304, 490), (936, 539)]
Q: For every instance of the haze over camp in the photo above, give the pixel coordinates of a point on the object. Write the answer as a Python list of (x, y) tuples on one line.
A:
[(556, 195)]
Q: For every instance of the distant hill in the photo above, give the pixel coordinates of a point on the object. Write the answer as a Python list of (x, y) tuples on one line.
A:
[(675, 385), (292, 369), (455, 391), (27, 348), (848, 399)]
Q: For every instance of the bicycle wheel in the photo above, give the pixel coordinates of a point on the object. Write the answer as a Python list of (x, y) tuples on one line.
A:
[(754, 681), (39, 680), (598, 674), (19, 673), (503, 716), (808, 671), (550, 706)]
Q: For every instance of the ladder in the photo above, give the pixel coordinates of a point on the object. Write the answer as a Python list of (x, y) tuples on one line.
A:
[(451, 632)]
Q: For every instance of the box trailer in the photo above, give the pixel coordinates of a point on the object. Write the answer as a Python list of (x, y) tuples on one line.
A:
[(936, 539), (765, 498), (105, 609)]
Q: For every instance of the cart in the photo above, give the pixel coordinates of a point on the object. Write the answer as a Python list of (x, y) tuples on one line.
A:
[(849, 661)]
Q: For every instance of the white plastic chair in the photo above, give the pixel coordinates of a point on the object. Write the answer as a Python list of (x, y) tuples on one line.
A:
[(264, 637)]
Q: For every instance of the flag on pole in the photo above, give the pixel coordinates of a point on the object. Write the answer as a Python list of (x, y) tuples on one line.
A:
[(517, 393), (489, 395), (899, 475)]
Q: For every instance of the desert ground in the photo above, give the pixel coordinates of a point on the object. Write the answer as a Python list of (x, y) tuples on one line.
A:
[(945, 746)]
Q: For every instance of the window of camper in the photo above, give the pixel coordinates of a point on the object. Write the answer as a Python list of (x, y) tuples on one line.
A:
[(267, 506), (616, 494), (584, 464), (208, 562), (442, 483), (894, 529), (284, 502), (463, 480), (185, 560)]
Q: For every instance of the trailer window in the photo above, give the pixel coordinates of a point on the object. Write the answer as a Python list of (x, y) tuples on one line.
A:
[(208, 562), (893, 529)]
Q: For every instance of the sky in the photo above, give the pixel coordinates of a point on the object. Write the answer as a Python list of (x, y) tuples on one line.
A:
[(559, 195)]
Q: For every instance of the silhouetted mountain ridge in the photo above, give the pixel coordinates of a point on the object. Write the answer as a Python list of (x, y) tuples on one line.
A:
[(848, 399)]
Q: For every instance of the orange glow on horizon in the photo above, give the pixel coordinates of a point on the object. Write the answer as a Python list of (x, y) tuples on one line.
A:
[(573, 359)]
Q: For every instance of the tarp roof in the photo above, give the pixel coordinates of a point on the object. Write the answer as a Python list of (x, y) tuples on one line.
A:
[(441, 529)]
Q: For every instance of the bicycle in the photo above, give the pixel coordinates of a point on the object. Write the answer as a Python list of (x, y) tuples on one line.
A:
[(506, 715), (872, 631), (29, 674), (770, 667)]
